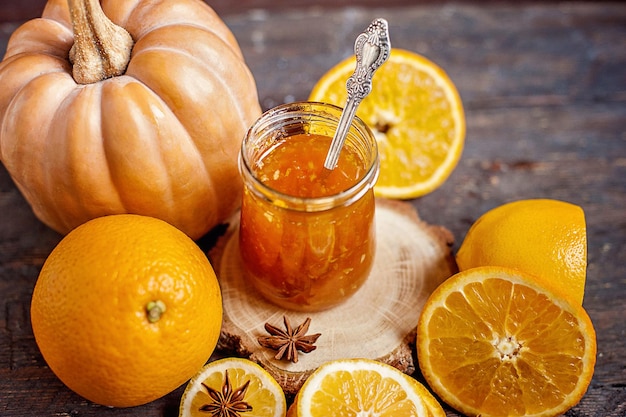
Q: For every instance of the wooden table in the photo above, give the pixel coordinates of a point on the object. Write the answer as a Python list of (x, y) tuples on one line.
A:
[(544, 87)]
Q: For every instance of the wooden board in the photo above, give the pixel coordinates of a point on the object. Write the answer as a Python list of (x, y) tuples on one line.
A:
[(378, 322)]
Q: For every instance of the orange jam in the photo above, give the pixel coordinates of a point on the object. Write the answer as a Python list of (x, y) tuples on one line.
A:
[(301, 259)]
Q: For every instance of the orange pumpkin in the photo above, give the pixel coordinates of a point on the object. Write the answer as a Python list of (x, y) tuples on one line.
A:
[(134, 106)]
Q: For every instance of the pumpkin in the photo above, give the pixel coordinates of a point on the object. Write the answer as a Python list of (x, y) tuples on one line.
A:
[(133, 106)]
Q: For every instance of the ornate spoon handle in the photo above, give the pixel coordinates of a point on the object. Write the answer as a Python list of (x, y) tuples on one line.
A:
[(372, 48)]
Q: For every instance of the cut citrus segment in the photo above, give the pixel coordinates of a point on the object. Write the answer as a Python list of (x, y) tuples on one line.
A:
[(416, 114), (491, 341), (432, 405), (361, 387), (433, 408), (239, 383), (543, 237)]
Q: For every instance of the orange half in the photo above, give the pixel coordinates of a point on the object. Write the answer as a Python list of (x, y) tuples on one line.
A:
[(416, 114), (494, 342)]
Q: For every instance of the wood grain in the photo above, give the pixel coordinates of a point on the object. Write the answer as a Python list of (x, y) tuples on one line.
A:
[(378, 322), (545, 96)]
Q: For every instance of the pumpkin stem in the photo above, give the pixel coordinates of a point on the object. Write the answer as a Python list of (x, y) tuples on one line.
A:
[(101, 49)]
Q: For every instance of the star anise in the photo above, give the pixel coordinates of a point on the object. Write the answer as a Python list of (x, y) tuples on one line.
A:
[(289, 341), (227, 402)]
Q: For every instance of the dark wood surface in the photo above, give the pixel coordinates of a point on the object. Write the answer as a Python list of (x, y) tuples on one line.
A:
[(544, 87)]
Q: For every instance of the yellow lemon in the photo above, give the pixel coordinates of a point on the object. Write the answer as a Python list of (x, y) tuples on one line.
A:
[(543, 237)]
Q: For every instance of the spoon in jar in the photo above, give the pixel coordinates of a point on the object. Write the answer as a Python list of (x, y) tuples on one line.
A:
[(372, 48)]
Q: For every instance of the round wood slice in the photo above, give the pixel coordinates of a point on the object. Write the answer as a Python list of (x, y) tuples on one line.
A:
[(378, 322)]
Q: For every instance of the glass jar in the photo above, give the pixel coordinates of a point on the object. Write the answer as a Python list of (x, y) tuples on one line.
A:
[(307, 234)]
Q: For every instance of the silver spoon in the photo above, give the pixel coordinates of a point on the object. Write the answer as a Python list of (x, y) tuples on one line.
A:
[(372, 48)]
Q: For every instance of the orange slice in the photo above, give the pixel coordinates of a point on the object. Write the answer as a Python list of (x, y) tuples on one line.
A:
[(262, 396), (492, 341), (417, 116), (363, 387), (433, 408)]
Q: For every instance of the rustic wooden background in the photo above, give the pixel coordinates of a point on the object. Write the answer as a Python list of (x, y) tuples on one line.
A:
[(544, 88), (17, 10)]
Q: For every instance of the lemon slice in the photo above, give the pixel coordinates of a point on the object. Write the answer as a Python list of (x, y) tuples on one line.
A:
[(240, 383), (363, 387), (492, 341), (417, 116)]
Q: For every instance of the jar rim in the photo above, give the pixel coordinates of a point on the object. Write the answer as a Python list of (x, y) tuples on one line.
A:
[(310, 204)]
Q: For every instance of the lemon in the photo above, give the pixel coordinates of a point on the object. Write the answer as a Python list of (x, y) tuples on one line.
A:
[(234, 384), (543, 237), (416, 114)]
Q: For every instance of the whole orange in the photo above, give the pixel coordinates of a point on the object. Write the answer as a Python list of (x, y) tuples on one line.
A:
[(126, 309)]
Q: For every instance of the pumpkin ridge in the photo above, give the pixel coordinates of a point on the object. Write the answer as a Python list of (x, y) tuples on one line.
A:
[(154, 79), (148, 16), (20, 42), (186, 42), (194, 50), (120, 12), (85, 153), (17, 71), (207, 57), (58, 11), (31, 127), (168, 183)]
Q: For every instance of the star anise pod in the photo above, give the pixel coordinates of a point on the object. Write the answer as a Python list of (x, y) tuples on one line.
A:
[(288, 342), (227, 402)]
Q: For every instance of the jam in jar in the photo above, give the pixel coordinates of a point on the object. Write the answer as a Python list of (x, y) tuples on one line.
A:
[(307, 234)]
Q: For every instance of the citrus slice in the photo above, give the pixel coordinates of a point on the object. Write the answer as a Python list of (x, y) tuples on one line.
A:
[(543, 237), (433, 408), (361, 387), (416, 114), (432, 405), (239, 383), (492, 341)]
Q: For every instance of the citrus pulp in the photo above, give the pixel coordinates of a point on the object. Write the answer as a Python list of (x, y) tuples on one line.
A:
[(416, 114), (217, 385), (363, 387), (493, 341)]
